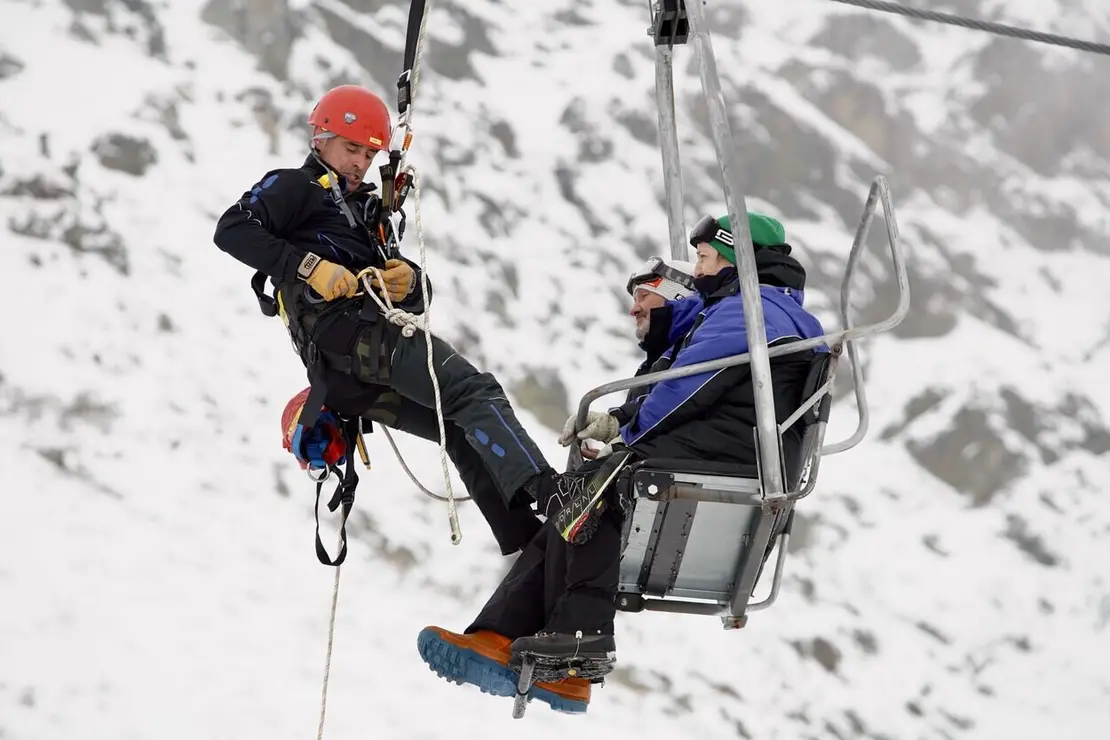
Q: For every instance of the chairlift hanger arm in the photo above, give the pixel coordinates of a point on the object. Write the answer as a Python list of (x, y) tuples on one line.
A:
[(725, 149), (669, 27)]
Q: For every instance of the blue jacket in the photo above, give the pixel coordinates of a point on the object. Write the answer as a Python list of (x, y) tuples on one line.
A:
[(710, 416)]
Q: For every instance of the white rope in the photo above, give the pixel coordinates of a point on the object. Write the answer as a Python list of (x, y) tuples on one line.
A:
[(419, 53), (425, 291), (409, 323), (331, 640), (412, 476)]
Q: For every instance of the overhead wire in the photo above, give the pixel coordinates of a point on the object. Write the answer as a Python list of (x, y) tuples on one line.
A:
[(999, 29)]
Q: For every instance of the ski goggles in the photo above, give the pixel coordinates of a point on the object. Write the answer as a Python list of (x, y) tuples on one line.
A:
[(708, 230), (656, 271)]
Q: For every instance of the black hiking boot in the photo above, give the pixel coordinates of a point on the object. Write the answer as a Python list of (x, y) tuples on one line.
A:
[(573, 502), (558, 656)]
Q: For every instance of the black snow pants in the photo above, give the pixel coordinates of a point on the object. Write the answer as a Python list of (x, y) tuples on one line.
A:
[(370, 369), (513, 525), (555, 586)]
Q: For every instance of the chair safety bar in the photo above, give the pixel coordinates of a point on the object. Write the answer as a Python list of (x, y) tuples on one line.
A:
[(880, 191)]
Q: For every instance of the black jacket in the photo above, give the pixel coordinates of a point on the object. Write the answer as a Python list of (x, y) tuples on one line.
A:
[(288, 213), (721, 428), (654, 345)]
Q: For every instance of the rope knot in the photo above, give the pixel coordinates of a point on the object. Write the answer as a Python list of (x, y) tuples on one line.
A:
[(408, 322)]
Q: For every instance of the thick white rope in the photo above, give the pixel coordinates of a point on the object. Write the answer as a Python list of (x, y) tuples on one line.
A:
[(419, 52), (425, 325), (409, 323), (425, 290)]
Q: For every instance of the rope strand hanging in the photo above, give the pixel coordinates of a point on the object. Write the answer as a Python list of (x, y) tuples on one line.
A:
[(406, 103), (999, 29)]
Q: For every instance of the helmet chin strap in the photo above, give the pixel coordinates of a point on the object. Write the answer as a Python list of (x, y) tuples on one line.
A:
[(321, 135), (333, 186)]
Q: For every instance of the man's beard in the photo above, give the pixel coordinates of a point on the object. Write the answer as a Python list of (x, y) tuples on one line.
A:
[(642, 326)]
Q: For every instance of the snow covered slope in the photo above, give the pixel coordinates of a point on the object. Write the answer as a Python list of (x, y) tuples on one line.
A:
[(157, 578)]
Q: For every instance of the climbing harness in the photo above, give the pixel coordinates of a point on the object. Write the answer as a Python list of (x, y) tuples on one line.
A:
[(383, 216)]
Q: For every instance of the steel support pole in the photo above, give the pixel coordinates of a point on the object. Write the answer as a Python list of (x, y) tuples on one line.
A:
[(770, 465)]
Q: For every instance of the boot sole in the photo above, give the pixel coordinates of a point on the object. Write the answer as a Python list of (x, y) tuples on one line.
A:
[(461, 666)]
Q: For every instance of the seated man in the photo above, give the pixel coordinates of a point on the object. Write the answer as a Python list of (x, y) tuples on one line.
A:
[(557, 600), (656, 282)]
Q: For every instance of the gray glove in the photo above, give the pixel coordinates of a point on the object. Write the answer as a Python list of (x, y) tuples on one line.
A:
[(600, 425)]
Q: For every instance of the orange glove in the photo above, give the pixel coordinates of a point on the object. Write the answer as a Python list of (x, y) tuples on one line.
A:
[(399, 278), (328, 279)]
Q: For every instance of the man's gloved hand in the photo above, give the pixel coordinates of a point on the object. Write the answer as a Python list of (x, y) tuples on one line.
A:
[(399, 277), (600, 425), (328, 279)]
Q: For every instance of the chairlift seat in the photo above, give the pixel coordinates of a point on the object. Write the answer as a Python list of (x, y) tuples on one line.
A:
[(696, 534)]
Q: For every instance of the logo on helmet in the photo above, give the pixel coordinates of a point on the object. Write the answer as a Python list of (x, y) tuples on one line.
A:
[(349, 117)]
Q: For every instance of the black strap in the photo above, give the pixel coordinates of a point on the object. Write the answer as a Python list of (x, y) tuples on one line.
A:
[(394, 192), (344, 494), (317, 392), (412, 35), (317, 362), (266, 303)]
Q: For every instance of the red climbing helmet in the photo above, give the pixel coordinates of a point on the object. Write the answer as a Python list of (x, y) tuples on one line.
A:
[(318, 447), (354, 113), (289, 418)]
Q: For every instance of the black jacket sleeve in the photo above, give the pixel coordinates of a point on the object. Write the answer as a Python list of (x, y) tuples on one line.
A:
[(626, 412), (252, 230)]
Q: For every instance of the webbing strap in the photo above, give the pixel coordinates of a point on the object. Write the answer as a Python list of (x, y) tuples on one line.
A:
[(266, 303), (344, 495), (412, 43)]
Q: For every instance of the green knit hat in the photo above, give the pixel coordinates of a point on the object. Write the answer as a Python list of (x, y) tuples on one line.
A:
[(766, 232)]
